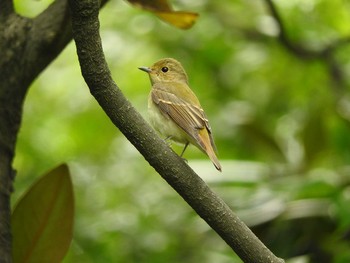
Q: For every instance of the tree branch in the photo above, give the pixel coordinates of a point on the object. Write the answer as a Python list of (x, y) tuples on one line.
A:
[(171, 167), (326, 53), (6, 9), (296, 49), (49, 34)]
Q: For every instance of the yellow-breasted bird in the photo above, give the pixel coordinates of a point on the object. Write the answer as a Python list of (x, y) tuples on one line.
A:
[(175, 111)]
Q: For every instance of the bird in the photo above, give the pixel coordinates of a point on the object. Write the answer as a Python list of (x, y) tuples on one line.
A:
[(175, 111)]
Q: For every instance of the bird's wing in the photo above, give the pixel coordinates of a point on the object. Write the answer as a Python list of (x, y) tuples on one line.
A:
[(190, 118)]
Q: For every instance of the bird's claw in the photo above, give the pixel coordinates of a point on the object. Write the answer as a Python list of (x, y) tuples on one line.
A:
[(167, 140)]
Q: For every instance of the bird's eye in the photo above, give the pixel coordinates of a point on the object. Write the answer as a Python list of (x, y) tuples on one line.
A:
[(165, 69)]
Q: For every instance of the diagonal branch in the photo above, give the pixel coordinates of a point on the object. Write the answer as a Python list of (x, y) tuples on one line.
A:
[(326, 53), (296, 49), (50, 33), (171, 167)]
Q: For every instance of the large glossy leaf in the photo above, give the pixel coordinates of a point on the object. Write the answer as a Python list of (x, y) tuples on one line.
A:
[(42, 221), (163, 10)]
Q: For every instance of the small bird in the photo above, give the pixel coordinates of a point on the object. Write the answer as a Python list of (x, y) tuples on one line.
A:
[(175, 111)]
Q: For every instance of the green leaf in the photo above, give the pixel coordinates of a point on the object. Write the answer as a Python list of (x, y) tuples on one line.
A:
[(42, 221)]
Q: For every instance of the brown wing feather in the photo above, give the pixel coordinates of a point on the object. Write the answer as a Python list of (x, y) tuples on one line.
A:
[(189, 117)]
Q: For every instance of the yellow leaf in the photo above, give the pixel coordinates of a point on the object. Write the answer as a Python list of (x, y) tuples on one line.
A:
[(183, 20), (163, 10)]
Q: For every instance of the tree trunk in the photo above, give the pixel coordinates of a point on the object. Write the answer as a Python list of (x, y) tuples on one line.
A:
[(27, 46)]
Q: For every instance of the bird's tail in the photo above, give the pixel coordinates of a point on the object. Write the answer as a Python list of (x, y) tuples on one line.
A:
[(207, 145)]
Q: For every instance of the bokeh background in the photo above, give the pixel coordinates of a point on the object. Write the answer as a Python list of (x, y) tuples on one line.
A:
[(279, 109)]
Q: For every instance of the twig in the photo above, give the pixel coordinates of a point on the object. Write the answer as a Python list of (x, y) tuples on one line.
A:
[(326, 53)]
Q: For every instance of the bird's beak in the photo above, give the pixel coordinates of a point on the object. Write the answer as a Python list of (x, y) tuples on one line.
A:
[(145, 69)]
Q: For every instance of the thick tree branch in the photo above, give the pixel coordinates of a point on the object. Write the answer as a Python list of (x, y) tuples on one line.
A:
[(49, 34), (170, 166), (6, 9)]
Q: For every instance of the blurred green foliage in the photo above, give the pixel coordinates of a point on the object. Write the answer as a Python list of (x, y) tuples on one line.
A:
[(280, 120)]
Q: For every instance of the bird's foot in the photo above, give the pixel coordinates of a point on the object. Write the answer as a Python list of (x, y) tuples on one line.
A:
[(167, 140)]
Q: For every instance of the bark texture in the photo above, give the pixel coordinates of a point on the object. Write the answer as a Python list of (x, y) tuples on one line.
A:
[(27, 46)]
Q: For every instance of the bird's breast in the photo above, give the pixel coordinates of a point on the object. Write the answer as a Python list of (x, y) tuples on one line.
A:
[(164, 124)]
